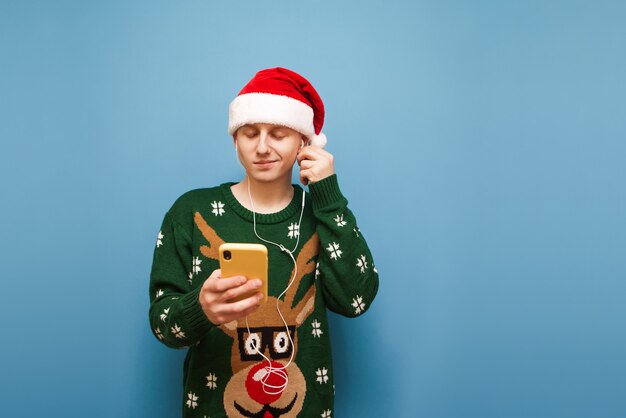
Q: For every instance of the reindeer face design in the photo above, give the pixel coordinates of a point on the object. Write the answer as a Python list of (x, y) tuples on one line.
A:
[(258, 387)]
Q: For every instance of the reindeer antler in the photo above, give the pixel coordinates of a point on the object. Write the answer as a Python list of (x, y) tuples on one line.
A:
[(305, 265), (211, 250)]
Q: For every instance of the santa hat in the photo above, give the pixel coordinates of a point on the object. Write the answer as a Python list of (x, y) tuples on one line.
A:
[(282, 97)]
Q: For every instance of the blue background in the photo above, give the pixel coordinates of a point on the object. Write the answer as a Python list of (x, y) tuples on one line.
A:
[(481, 145)]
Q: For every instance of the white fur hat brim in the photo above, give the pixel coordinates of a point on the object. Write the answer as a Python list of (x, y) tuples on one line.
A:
[(270, 108)]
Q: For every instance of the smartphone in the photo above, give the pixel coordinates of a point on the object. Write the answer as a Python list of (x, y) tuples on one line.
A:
[(248, 260)]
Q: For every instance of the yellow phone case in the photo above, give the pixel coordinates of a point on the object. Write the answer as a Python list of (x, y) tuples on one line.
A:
[(248, 260)]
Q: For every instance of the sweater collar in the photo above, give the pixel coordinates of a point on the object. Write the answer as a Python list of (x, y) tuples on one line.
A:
[(263, 218)]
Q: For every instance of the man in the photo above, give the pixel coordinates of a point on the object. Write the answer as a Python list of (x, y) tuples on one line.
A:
[(251, 358)]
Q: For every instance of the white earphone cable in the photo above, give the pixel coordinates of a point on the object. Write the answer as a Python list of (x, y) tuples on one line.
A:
[(278, 371)]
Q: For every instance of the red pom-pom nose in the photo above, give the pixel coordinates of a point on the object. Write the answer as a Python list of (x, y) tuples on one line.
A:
[(266, 383)]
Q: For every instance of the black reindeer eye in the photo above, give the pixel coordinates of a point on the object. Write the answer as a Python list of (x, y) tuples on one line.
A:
[(253, 342), (281, 342)]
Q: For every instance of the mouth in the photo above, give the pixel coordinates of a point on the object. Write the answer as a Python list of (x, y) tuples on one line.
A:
[(267, 411), (264, 163)]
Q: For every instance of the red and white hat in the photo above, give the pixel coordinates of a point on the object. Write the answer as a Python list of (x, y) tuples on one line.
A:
[(282, 97)]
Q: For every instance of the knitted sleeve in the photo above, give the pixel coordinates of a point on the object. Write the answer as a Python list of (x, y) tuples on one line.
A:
[(176, 317), (346, 271)]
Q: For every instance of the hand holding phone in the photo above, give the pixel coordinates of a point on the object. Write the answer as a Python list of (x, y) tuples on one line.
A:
[(248, 260), (233, 292), (216, 294)]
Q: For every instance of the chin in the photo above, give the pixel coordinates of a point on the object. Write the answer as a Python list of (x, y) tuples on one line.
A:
[(267, 177)]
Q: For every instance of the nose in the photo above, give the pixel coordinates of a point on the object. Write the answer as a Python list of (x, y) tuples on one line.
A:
[(263, 146), (265, 383)]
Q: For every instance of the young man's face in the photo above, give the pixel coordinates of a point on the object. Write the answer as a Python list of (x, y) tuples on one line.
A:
[(268, 152)]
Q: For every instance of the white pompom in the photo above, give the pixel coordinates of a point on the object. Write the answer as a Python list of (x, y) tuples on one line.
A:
[(318, 140)]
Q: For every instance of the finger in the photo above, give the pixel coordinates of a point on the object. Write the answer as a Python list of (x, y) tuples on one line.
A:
[(236, 308), (249, 286), (306, 153), (316, 159), (248, 311), (224, 283), (311, 176), (304, 177), (312, 152), (306, 164), (238, 315), (215, 274)]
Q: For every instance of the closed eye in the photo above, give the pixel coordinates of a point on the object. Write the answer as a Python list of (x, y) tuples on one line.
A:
[(278, 133)]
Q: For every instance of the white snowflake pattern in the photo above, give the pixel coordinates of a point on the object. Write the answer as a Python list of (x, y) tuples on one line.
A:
[(159, 239), (218, 208), (177, 331), (361, 263), (317, 270), (294, 230), (164, 314), (334, 250), (196, 265), (326, 414), (158, 333), (317, 331), (356, 231), (358, 304), (375, 271), (211, 381), (322, 375), (339, 220), (159, 293), (190, 280), (192, 400)]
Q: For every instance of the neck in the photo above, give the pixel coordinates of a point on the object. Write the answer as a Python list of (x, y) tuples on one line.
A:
[(267, 197)]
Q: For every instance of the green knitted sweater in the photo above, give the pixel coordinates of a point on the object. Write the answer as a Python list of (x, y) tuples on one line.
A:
[(222, 371)]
